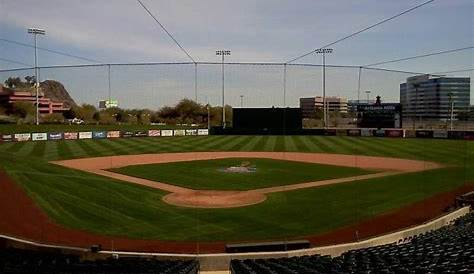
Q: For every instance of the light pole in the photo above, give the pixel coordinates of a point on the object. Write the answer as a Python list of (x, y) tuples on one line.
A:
[(36, 31), (241, 101), (323, 52), (368, 96), (451, 101), (223, 53), (416, 104)]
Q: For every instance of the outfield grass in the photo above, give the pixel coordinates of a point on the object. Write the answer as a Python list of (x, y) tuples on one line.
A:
[(102, 205), (209, 174)]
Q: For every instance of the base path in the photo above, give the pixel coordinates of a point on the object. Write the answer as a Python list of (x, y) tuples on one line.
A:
[(187, 197)]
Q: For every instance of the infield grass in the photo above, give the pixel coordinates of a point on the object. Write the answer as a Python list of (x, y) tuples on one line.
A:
[(211, 174), (102, 205)]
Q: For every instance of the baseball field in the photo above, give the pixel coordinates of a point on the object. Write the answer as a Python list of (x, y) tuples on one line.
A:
[(80, 200)]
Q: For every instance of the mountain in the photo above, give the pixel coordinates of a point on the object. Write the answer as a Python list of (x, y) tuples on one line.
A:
[(56, 92)]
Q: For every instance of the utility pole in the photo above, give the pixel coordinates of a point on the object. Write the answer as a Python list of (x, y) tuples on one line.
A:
[(223, 53), (35, 32), (241, 101)]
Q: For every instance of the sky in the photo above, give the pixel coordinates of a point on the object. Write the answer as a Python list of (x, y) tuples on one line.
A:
[(120, 31)]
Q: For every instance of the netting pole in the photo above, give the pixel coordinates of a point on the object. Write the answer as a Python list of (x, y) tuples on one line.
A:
[(108, 79), (195, 83), (223, 94), (284, 85), (358, 86)]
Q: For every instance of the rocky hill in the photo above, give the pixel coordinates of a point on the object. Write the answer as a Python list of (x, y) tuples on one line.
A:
[(56, 92)]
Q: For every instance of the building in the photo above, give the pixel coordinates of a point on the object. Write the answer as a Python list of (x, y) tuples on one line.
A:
[(431, 98), (46, 105), (309, 105)]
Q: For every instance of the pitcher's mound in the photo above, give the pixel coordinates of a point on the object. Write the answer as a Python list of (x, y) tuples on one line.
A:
[(214, 199)]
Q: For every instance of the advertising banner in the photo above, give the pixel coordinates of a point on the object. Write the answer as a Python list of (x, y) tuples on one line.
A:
[(127, 134), (398, 133), (191, 132), (85, 135), (203, 131), (154, 133), (22, 137), (7, 137), (379, 133), (140, 134), (39, 136), (424, 134), (469, 135), (71, 135), (441, 134), (353, 132), (55, 135), (455, 134), (113, 134), (167, 132), (99, 134), (365, 132), (179, 132)]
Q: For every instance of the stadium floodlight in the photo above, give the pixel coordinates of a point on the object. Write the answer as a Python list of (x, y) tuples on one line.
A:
[(323, 51), (35, 32), (223, 53)]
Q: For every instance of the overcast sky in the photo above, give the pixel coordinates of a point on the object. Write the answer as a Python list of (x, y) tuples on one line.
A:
[(256, 31)]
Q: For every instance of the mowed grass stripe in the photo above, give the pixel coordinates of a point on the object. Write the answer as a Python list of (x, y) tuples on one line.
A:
[(26, 149), (280, 143), (15, 147), (260, 145), (38, 149), (51, 151), (302, 144), (88, 149), (215, 145), (253, 142), (290, 143), (321, 143), (64, 152), (367, 147), (237, 143), (270, 144)]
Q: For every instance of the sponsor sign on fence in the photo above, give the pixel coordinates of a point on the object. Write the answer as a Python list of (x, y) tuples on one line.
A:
[(203, 131), (353, 132), (442, 134), (39, 136), (22, 137), (167, 132), (127, 134), (55, 135), (99, 134), (140, 134), (394, 132), (85, 135), (191, 132), (154, 133), (113, 134), (365, 132), (424, 134), (71, 135), (179, 132), (379, 133), (7, 137)]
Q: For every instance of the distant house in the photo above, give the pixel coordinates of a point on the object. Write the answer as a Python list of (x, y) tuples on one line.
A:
[(9, 96)]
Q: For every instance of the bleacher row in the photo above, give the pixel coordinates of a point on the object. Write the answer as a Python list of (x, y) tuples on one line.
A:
[(446, 250), (24, 261)]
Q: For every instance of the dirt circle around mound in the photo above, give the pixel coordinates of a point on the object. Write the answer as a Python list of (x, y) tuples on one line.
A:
[(214, 198)]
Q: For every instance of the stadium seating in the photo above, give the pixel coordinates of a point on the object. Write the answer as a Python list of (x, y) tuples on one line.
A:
[(446, 250), (24, 261)]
